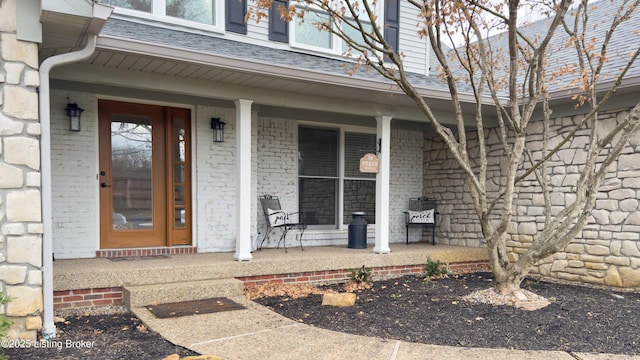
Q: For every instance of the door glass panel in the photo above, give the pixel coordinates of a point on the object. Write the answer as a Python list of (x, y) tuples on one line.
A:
[(131, 154), (179, 176)]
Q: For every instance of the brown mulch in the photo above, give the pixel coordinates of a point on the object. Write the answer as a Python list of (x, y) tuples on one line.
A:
[(579, 319)]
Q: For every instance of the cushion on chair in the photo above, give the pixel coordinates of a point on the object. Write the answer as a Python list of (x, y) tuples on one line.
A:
[(421, 217), (277, 217)]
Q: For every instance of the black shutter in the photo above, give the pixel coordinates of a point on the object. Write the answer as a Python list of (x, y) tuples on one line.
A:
[(278, 28), (392, 22), (236, 10)]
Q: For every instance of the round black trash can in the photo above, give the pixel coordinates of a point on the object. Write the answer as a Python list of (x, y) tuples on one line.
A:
[(358, 231)]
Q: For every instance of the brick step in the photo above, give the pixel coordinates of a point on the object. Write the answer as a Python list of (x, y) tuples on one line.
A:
[(141, 295)]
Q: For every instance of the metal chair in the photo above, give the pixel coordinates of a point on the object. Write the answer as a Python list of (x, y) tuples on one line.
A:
[(422, 212), (277, 218)]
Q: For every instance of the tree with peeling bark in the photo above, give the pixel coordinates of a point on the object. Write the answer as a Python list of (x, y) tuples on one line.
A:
[(510, 72)]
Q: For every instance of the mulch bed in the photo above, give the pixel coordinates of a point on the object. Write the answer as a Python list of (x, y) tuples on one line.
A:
[(579, 319), (118, 336)]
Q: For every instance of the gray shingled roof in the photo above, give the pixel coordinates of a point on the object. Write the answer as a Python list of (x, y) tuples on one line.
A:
[(601, 15), (233, 49), (560, 54)]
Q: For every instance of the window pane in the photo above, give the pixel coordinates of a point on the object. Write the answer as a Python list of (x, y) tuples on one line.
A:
[(140, 5), (355, 34), (131, 169), (360, 195), (307, 33), (318, 152), (193, 10), (318, 201), (355, 146)]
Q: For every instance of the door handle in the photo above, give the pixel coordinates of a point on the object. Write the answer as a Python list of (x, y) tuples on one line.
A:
[(104, 185)]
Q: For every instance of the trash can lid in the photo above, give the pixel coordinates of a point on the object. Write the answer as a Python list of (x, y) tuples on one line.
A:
[(359, 213)]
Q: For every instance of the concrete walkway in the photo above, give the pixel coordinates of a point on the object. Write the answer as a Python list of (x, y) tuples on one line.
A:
[(258, 333)]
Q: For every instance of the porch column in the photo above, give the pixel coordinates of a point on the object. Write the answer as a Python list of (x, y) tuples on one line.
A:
[(243, 180), (382, 186)]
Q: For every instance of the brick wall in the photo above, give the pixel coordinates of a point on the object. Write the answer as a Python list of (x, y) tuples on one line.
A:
[(215, 188), (277, 167), (87, 297), (278, 174), (338, 276), (73, 174), (406, 181)]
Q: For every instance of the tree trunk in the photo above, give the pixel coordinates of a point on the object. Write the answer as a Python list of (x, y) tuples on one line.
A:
[(508, 275)]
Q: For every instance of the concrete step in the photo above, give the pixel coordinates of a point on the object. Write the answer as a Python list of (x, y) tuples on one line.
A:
[(142, 295)]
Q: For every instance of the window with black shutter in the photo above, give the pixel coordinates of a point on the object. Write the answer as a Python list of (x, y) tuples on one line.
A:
[(392, 22), (278, 27), (236, 10)]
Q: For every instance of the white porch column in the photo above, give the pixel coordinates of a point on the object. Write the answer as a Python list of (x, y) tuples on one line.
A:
[(382, 186), (243, 180)]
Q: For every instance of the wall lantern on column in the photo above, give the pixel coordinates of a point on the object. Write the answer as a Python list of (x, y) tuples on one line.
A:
[(218, 129), (74, 112)]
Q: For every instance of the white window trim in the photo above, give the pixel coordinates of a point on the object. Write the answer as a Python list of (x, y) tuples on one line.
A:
[(158, 14), (342, 129), (336, 41)]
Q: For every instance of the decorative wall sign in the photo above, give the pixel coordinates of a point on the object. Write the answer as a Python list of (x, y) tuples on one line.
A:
[(369, 163)]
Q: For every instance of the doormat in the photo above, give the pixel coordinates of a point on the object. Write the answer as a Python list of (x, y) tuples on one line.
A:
[(132, 258), (193, 307)]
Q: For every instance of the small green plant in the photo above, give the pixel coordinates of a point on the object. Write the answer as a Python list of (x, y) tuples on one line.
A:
[(5, 323), (434, 268), (361, 275)]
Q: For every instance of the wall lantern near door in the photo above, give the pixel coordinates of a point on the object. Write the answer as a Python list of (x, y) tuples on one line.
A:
[(218, 129), (74, 112)]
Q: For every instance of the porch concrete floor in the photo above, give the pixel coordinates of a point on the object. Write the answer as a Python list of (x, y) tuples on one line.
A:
[(101, 272)]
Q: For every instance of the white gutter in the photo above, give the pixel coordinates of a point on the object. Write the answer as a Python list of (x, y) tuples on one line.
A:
[(48, 326)]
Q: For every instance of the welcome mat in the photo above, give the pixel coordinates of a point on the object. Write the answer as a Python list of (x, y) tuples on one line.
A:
[(131, 258), (193, 307)]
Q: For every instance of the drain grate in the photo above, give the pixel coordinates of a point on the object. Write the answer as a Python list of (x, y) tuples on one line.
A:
[(193, 307)]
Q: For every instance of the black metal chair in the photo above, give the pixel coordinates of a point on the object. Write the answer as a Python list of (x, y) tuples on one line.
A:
[(277, 218), (422, 212)]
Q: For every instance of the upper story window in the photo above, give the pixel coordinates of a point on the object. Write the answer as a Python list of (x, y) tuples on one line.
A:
[(306, 35), (201, 11), (202, 14)]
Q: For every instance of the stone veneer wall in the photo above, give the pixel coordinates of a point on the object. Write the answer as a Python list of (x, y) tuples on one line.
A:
[(20, 200), (606, 252)]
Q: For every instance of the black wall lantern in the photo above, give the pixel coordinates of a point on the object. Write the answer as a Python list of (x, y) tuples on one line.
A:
[(74, 112), (218, 129)]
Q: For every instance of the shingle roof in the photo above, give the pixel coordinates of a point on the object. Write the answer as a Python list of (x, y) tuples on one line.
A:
[(601, 13), (624, 41), (234, 49)]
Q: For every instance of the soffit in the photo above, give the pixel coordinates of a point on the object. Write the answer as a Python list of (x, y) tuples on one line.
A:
[(144, 49)]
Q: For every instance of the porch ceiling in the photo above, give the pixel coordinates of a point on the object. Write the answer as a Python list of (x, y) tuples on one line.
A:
[(266, 84), (217, 68)]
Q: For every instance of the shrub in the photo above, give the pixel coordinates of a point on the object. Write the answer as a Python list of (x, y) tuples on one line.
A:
[(361, 275), (5, 323), (434, 268)]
